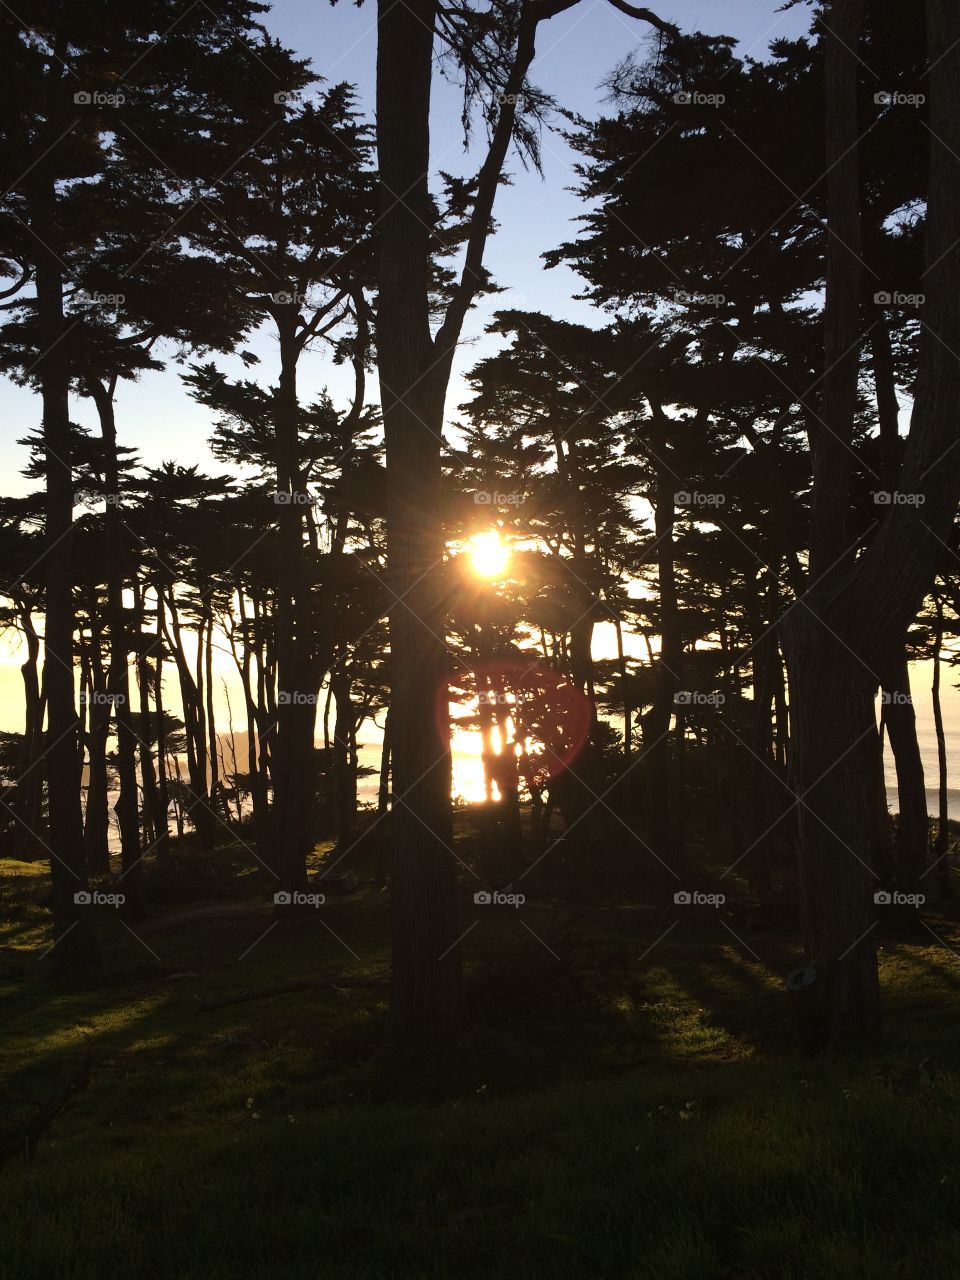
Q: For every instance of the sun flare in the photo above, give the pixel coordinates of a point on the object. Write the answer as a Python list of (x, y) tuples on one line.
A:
[(489, 554)]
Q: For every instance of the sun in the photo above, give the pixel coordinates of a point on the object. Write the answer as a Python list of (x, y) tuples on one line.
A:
[(489, 554)]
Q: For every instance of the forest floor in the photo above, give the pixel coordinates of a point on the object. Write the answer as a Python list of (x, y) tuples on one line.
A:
[(627, 1102)]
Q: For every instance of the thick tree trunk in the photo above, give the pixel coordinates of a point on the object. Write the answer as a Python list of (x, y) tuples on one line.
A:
[(835, 750), (844, 628), (426, 975)]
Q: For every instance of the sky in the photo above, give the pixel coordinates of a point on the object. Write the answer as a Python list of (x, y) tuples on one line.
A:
[(576, 51)]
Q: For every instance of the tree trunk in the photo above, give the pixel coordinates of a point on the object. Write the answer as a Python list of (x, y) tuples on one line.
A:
[(72, 928), (215, 784), (835, 749), (126, 808), (156, 834), (27, 799), (426, 975), (656, 747), (293, 762), (190, 697), (94, 690), (912, 845), (942, 845), (844, 628), (255, 762), (344, 774)]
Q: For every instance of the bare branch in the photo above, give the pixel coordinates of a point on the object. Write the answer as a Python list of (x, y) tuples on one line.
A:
[(646, 15)]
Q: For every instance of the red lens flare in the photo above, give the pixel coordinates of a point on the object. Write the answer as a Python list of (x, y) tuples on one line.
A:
[(538, 714)]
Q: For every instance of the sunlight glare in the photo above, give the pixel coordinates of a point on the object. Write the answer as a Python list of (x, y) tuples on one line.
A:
[(489, 554)]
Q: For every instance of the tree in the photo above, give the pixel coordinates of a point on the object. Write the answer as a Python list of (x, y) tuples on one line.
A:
[(855, 610), (495, 50)]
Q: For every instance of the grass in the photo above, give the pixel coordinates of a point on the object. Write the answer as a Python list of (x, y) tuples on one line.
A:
[(619, 1106)]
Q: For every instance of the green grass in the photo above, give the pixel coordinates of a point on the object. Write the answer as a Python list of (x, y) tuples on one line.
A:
[(618, 1107)]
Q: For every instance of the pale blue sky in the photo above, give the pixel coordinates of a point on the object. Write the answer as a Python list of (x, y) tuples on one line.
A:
[(576, 51)]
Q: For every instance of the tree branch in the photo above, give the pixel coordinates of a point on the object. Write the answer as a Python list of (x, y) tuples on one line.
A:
[(646, 15)]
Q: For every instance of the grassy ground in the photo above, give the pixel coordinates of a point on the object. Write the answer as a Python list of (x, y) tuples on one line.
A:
[(627, 1101)]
